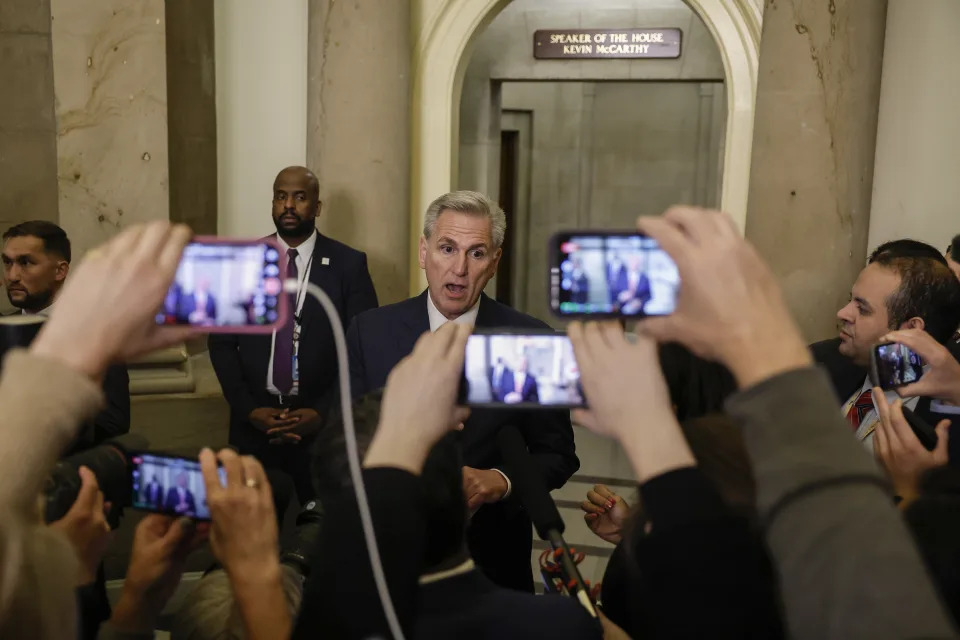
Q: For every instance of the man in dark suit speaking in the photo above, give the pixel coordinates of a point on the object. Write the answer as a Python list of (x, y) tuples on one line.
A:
[(180, 499), (281, 386), (520, 386), (459, 251)]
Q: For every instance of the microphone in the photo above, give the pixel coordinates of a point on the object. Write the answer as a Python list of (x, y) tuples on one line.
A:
[(532, 492)]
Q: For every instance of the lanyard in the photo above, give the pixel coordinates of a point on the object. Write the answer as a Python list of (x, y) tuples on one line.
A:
[(300, 288)]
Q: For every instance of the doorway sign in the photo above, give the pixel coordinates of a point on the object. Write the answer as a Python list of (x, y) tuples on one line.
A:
[(614, 44)]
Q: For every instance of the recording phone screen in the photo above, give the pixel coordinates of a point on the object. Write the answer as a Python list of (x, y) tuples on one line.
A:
[(535, 370), (895, 365), (170, 485), (611, 274), (229, 286)]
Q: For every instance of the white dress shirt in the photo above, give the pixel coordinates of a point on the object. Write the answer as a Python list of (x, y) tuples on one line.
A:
[(437, 320), (304, 253), (869, 422)]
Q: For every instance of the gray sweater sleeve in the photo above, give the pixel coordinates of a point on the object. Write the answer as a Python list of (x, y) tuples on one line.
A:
[(848, 566)]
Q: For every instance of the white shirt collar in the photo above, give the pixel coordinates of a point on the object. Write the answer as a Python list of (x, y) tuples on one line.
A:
[(437, 319), (46, 311), (305, 250)]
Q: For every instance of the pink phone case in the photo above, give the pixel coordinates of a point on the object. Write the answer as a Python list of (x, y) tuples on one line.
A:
[(283, 306)]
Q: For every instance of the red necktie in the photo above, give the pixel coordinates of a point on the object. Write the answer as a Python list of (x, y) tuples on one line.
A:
[(860, 408), (283, 345)]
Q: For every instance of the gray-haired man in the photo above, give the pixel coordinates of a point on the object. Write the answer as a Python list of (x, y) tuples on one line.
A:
[(459, 251)]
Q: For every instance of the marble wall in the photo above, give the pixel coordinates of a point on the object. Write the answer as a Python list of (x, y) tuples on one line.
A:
[(813, 152), (28, 152), (109, 67), (596, 164), (358, 131)]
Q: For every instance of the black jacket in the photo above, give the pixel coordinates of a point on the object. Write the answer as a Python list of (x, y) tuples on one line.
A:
[(241, 361), (499, 534), (702, 571)]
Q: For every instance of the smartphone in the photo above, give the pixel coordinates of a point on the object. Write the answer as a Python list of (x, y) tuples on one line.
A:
[(925, 433), (168, 484), (893, 365), (528, 370), (611, 274), (227, 286)]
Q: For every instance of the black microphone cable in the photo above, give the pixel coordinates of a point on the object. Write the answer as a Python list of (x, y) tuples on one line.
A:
[(535, 498)]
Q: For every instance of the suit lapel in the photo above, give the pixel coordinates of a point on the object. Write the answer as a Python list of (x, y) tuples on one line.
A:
[(322, 276), (487, 313), (413, 322)]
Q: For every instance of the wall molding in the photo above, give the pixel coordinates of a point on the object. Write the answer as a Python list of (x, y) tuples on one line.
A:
[(442, 51)]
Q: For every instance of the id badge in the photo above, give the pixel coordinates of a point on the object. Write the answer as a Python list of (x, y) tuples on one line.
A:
[(295, 370)]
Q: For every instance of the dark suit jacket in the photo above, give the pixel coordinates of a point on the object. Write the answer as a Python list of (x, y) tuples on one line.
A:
[(469, 606), (617, 283), (846, 377), (528, 393), (114, 419), (154, 494), (241, 361), (498, 387), (173, 499), (499, 534), (188, 304)]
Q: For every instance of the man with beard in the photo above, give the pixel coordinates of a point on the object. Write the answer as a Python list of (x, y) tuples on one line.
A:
[(36, 261), (280, 387)]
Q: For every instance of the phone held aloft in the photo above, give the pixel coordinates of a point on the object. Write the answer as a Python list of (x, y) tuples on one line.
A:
[(228, 286), (894, 365), (520, 370), (168, 484), (612, 274)]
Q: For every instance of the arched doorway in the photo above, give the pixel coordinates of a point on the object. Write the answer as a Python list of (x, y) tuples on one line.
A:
[(439, 63)]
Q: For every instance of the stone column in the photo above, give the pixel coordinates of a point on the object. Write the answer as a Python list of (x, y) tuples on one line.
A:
[(28, 128), (813, 150), (109, 61), (916, 191), (358, 131), (192, 114)]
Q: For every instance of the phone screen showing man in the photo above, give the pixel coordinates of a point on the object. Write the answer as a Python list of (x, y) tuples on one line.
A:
[(170, 485), (225, 285), (530, 370), (896, 365), (626, 275)]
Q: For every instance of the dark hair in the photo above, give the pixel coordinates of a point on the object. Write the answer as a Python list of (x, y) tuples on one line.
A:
[(442, 476), (954, 248), (54, 238), (906, 248), (717, 444), (928, 290)]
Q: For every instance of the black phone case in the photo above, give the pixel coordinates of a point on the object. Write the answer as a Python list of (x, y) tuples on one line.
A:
[(925, 433)]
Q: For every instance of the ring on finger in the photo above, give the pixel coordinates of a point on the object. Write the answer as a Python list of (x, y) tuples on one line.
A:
[(252, 483)]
